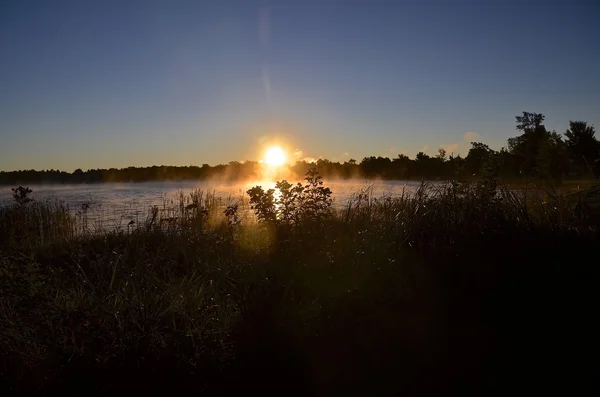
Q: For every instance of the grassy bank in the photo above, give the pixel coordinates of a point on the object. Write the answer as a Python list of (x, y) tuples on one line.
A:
[(460, 289)]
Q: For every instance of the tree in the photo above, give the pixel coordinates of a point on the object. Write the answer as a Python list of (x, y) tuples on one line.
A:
[(581, 143), (372, 166), (423, 165), (477, 156), (552, 160), (530, 121), (507, 163), (421, 157), (78, 175), (455, 165), (401, 166), (525, 147), (441, 154)]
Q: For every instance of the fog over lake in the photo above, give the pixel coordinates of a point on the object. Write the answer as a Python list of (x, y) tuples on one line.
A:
[(112, 204)]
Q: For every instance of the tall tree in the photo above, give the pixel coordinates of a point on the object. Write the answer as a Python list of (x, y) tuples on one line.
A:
[(441, 154), (530, 121), (477, 156), (581, 142), (552, 159), (525, 147)]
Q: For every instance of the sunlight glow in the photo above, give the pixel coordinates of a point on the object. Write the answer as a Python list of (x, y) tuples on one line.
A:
[(274, 156)]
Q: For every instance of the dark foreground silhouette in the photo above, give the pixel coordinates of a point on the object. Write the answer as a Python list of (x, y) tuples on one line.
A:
[(469, 290)]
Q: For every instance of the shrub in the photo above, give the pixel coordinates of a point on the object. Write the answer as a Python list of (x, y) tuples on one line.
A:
[(308, 203), (231, 212), (20, 194), (263, 204)]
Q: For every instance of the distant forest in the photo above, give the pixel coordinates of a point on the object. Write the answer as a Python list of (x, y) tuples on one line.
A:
[(535, 153)]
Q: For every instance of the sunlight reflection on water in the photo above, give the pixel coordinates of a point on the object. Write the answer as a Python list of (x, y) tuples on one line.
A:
[(113, 204)]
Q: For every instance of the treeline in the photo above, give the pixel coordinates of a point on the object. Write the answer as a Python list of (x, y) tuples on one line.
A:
[(232, 171), (535, 153)]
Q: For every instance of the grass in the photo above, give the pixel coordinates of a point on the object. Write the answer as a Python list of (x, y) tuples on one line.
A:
[(35, 224), (448, 290)]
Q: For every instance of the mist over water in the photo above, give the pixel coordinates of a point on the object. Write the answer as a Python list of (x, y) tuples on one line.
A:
[(114, 204)]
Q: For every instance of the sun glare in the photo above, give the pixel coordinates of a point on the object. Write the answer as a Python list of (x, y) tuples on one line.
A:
[(274, 156)]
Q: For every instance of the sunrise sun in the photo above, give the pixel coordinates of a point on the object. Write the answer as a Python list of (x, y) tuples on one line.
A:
[(274, 156)]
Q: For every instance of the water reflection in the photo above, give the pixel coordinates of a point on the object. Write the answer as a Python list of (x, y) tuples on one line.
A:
[(110, 205)]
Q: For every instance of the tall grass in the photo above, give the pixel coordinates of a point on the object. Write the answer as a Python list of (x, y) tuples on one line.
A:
[(449, 289), (36, 224)]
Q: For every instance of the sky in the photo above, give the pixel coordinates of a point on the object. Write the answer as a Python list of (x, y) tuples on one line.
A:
[(100, 84)]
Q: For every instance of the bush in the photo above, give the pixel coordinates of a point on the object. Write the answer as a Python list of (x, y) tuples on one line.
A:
[(296, 204), (20, 194)]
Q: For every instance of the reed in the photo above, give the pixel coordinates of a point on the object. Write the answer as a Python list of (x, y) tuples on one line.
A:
[(452, 282)]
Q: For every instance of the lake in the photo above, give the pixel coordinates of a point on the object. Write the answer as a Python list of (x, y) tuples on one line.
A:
[(115, 204)]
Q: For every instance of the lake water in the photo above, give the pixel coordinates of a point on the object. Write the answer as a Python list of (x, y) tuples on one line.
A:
[(114, 204)]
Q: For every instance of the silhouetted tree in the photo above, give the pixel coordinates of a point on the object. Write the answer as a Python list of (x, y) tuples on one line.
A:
[(552, 160), (507, 164), (455, 166), (525, 147), (441, 154), (401, 166), (375, 166), (583, 147), (478, 155), (78, 175), (423, 165)]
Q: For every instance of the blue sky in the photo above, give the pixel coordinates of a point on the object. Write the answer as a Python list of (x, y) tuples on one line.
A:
[(116, 83)]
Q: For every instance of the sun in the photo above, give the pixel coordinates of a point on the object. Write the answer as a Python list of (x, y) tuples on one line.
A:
[(274, 156)]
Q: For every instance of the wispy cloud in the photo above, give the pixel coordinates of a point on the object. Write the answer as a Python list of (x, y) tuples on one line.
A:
[(298, 154)]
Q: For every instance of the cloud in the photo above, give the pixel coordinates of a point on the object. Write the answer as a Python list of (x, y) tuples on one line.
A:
[(264, 26), (472, 136), (425, 149), (299, 155), (456, 148), (452, 148), (346, 154)]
